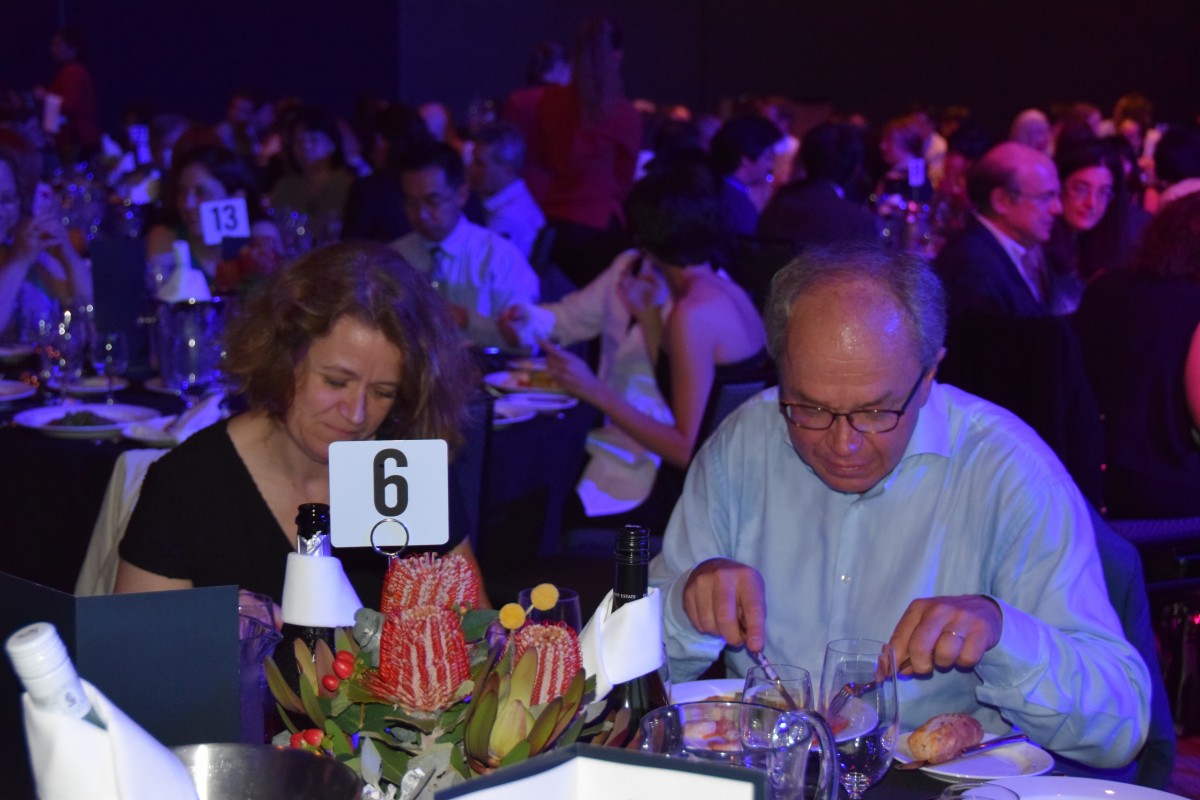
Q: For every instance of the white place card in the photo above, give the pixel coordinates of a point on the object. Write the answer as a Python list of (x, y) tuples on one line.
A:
[(377, 489), (224, 219)]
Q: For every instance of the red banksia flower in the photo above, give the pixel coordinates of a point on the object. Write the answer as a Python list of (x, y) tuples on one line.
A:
[(422, 659), (427, 580), (559, 658)]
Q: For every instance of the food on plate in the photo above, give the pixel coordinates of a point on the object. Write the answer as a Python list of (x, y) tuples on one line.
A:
[(944, 736), (706, 734), (535, 379), (727, 697), (81, 419)]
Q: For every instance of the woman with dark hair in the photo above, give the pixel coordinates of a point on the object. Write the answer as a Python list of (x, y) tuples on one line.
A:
[(1099, 224), (583, 150), (317, 182), (1140, 331), (197, 176), (697, 324), (39, 266), (349, 343)]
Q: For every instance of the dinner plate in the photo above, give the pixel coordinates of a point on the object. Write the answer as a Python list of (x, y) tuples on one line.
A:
[(508, 412), (512, 381), (544, 403), (1010, 761), (157, 386), (1066, 788), (15, 352), (860, 717), (40, 419), (15, 390), (152, 432), (93, 384), (528, 364)]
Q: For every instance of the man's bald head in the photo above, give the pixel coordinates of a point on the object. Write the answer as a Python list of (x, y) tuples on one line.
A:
[(1016, 187)]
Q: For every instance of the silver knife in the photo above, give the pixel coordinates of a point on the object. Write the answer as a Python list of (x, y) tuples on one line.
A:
[(1001, 741)]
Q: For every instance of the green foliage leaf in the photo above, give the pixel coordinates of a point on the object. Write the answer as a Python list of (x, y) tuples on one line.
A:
[(516, 755), (475, 623), (308, 698), (539, 734), (459, 763), (283, 693), (481, 719), (571, 734)]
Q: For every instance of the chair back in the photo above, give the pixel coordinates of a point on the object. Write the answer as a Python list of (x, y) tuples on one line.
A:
[(727, 394), (470, 463)]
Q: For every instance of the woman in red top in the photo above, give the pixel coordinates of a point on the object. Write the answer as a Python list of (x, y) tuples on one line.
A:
[(582, 154)]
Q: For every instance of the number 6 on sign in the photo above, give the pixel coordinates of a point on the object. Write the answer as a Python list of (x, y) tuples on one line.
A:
[(406, 481)]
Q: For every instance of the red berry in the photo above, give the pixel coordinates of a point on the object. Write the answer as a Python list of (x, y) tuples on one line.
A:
[(314, 736), (331, 682), (297, 739), (343, 669), (344, 656)]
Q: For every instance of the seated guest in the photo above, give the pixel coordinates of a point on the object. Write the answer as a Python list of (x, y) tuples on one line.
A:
[(479, 272), (1176, 165), (1032, 129), (814, 208), (1099, 224), (995, 266), (1141, 349), (743, 154), (209, 173), (902, 146), (670, 325), (864, 499), (39, 266), (495, 175), (317, 182), (951, 206), (347, 344), (375, 205)]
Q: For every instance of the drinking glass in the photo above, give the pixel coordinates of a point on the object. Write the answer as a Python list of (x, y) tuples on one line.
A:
[(978, 791), (110, 358), (60, 338), (867, 725), (565, 610), (764, 690)]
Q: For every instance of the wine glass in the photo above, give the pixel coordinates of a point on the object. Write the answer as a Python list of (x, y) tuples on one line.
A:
[(565, 610), (763, 688), (110, 358), (867, 726)]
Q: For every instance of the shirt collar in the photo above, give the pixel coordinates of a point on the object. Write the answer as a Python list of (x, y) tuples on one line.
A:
[(1015, 251), (454, 243)]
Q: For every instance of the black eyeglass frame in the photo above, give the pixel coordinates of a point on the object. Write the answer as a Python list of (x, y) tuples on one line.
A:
[(784, 408)]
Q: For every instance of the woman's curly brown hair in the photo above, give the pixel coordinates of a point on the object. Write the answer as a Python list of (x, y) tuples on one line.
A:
[(1171, 242), (372, 284)]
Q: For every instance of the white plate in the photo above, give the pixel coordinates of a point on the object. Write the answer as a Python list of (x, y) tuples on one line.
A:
[(151, 432), (527, 364), (544, 403), (1010, 761), (15, 390), (506, 412), (157, 386), (15, 352), (93, 384), (862, 717), (1066, 788), (39, 419), (509, 381)]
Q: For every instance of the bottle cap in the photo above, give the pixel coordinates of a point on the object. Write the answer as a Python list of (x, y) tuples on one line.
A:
[(36, 650)]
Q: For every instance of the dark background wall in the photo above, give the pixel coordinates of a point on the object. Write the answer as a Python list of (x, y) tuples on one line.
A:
[(867, 55)]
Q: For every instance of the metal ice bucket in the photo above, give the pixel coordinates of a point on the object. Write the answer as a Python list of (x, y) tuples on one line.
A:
[(238, 771)]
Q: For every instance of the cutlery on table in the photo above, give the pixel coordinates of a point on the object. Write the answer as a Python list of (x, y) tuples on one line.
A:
[(773, 676), (852, 689), (974, 749)]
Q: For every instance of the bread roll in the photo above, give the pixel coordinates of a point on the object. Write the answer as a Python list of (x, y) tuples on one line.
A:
[(944, 736)]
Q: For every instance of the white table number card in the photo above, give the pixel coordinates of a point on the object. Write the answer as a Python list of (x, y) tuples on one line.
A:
[(372, 485), (224, 219)]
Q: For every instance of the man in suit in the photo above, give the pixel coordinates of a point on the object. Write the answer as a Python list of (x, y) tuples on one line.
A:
[(814, 209), (995, 266), (743, 153)]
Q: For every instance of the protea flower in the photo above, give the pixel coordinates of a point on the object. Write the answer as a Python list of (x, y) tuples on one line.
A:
[(559, 657), (427, 580), (423, 659)]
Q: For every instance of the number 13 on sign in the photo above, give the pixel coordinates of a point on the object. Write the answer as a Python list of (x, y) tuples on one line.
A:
[(399, 480)]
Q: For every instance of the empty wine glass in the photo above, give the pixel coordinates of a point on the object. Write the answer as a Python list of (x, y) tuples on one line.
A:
[(867, 725), (110, 358), (565, 610), (789, 688)]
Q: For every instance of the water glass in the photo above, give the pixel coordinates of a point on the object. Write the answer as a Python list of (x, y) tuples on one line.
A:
[(565, 610), (767, 691), (867, 726), (110, 358), (978, 791)]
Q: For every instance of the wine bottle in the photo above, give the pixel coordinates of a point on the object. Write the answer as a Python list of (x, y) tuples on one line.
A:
[(40, 660), (312, 540), (631, 700)]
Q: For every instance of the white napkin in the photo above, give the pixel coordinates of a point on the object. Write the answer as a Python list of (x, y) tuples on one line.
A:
[(201, 415), (624, 644), (539, 324), (618, 476), (185, 283), (73, 758), (316, 592)]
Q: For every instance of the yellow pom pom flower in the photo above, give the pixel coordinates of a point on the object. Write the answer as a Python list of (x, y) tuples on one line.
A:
[(544, 596), (512, 616)]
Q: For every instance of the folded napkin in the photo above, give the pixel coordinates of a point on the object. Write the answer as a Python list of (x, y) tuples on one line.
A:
[(539, 324), (72, 758), (186, 282), (316, 592), (618, 476), (202, 414), (623, 644)]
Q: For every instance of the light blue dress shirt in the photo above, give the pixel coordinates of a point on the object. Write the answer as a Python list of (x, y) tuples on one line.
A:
[(977, 505)]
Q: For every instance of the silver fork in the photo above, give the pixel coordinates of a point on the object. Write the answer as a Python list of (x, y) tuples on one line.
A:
[(852, 689)]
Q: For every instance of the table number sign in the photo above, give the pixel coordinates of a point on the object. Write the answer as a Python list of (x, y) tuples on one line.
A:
[(224, 219), (389, 494)]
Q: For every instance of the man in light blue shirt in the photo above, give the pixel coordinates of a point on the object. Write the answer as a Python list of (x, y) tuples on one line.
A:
[(863, 499)]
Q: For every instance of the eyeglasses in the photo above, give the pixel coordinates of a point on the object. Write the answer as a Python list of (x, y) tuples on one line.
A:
[(1041, 198), (1083, 191), (872, 420)]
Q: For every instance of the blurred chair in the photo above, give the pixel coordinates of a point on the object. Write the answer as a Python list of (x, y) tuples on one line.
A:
[(470, 463), (99, 572), (118, 271), (726, 395)]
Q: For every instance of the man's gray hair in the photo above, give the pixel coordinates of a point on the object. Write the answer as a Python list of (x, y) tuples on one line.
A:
[(911, 281), (508, 146)]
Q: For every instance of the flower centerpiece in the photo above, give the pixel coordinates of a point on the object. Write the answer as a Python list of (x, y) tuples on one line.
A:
[(430, 690)]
